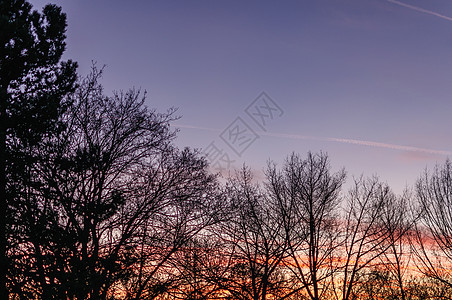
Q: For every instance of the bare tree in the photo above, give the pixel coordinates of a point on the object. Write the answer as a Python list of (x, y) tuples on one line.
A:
[(120, 201), (199, 265), (433, 237), (253, 243), (185, 197), (390, 275), (399, 222), (365, 236), (307, 195)]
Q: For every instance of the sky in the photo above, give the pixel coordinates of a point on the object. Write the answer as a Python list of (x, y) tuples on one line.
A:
[(366, 81)]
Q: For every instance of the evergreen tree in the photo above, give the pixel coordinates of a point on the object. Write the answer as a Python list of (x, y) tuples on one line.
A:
[(33, 85)]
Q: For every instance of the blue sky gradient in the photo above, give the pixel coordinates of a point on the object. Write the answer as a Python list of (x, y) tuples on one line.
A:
[(363, 80)]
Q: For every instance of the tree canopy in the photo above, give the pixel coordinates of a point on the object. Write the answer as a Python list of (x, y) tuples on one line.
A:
[(97, 201), (33, 84)]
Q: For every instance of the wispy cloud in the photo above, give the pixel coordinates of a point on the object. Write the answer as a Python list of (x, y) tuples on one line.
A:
[(336, 140), (410, 156), (420, 9)]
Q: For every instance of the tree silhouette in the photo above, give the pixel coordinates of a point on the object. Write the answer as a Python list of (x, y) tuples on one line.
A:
[(119, 202), (32, 86), (433, 236), (398, 221), (308, 199), (365, 236), (253, 242), (97, 202)]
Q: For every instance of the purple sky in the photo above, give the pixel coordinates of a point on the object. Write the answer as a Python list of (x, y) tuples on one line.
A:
[(367, 81)]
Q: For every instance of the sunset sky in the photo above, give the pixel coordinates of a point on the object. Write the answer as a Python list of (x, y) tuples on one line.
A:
[(367, 81)]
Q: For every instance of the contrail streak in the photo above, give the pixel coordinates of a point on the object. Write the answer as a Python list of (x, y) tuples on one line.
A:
[(196, 127), (336, 140), (422, 10)]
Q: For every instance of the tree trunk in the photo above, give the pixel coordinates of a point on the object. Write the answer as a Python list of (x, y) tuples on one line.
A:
[(3, 202)]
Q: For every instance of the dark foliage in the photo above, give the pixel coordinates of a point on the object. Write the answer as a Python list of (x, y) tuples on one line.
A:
[(96, 202), (118, 201), (33, 84)]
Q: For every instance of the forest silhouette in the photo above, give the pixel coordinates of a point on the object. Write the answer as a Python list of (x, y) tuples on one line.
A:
[(97, 201)]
